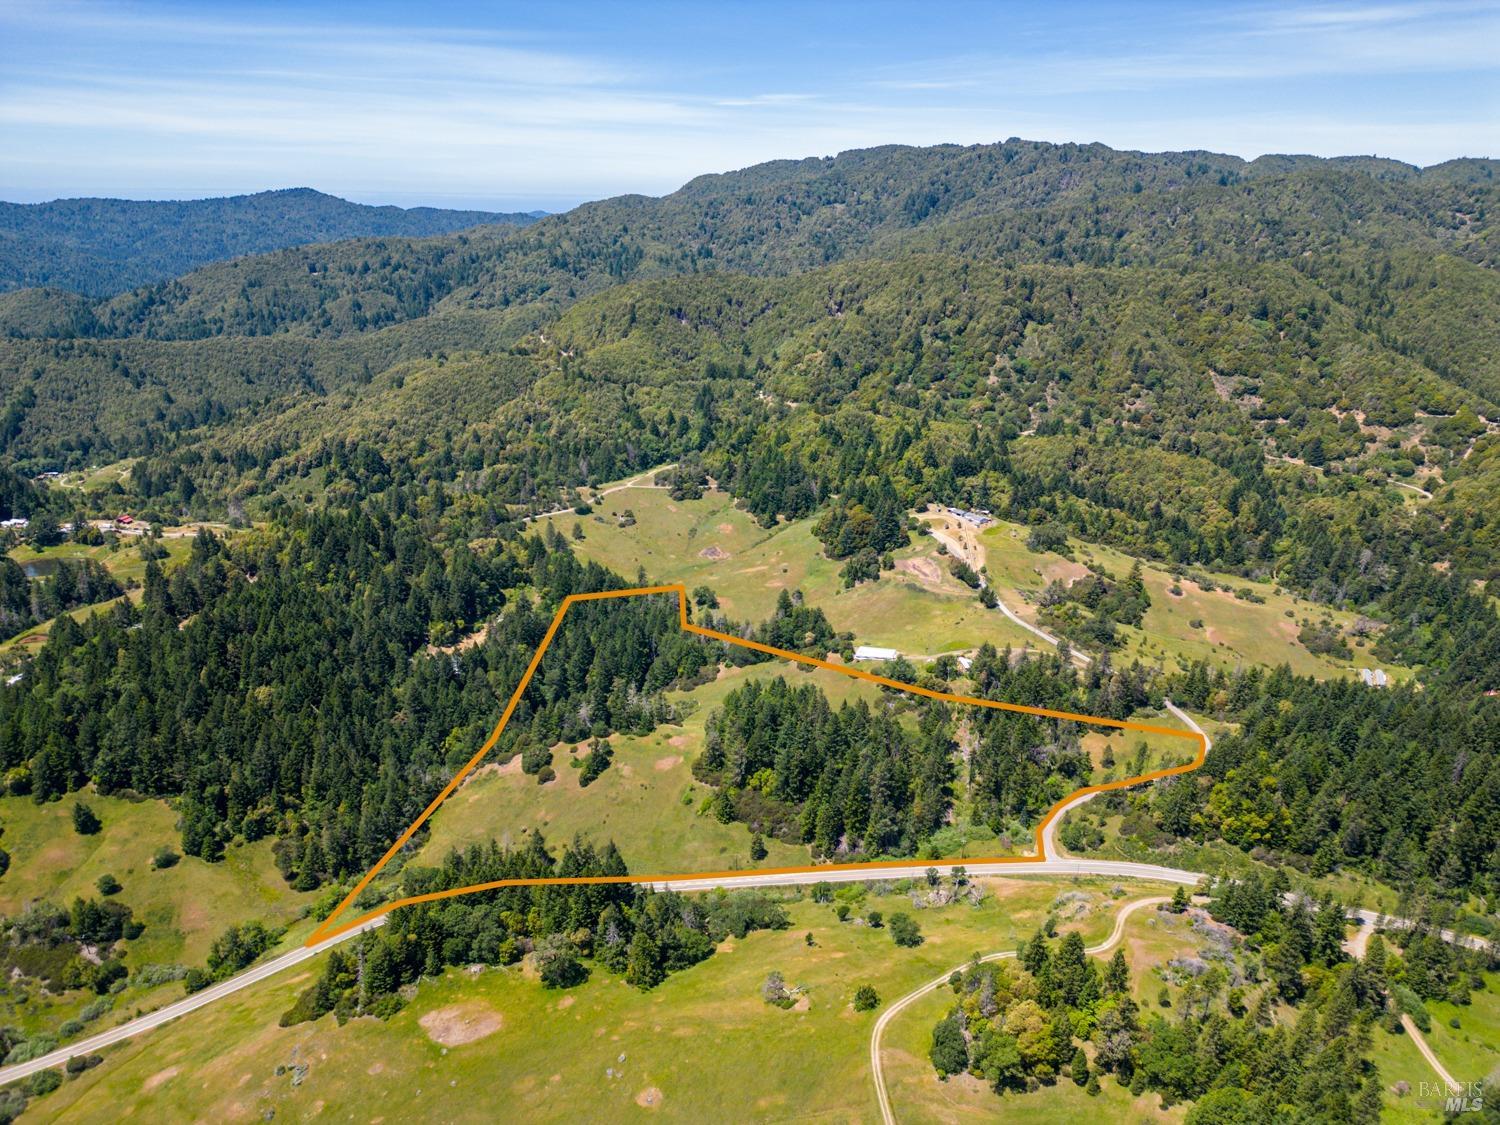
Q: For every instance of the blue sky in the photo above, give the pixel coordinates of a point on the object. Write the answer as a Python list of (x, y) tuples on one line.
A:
[(515, 106)]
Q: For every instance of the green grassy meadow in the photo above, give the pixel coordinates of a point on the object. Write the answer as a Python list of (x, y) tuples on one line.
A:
[(122, 559), (1471, 1051), (1398, 1060), (919, 1095), (646, 802), (184, 906), (1123, 747), (602, 1051), (1233, 630), (918, 609)]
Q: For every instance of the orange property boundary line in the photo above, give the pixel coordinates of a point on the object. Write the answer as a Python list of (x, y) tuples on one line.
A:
[(328, 930)]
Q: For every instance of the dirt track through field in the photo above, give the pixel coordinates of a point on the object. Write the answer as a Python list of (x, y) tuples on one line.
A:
[(877, 1068)]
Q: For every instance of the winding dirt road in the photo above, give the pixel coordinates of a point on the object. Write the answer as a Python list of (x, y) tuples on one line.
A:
[(973, 553), (1051, 861), (594, 498), (876, 1067), (1420, 1041)]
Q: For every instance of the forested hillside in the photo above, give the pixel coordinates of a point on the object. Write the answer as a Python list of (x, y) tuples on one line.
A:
[(1283, 370), (1337, 314), (103, 246)]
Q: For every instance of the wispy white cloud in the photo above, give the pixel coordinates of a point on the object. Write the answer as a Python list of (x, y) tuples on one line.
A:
[(767, 100), (1347, 15), (1237, 45), (111, 99)]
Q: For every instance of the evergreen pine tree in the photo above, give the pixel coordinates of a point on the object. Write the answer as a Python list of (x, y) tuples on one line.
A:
[(85, 822)]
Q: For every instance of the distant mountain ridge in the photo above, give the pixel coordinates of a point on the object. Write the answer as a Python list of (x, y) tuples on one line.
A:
[(100, 247)]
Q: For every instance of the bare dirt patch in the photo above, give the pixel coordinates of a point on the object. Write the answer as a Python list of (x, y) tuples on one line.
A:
[(565, 1003), (461, 1023), (803, 1003), (726, 529), (713, 553), (463, 644), (649, 1098), (158, 1078), (669, 762), (486, 769), (924, 570), (1064, 571), (678, 740)]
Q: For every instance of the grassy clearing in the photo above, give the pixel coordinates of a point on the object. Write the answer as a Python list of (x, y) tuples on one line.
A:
[(1399, 1061), (1471, 1051), (1123, 748), (924, 1098), (184, 907), (918, 608), (1231, 630), (922, 610), (122, 559), (33, 639), (99, 478), (701, 1046), (646, 802)]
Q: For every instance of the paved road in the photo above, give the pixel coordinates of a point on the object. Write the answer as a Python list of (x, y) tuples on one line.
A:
[(1118, 869), (1373, 918), (1050, 845), (1106, 868), (1055, 862), (181, 1008), (891, 1012), (258, 973), (1061, 865)]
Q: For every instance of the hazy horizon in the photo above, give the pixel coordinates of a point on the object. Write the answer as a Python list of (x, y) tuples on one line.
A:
[(448, 201), (467, 105)]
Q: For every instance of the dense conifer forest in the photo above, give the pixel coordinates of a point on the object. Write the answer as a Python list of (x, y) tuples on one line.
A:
[(1150, 386), (1282, 370)]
